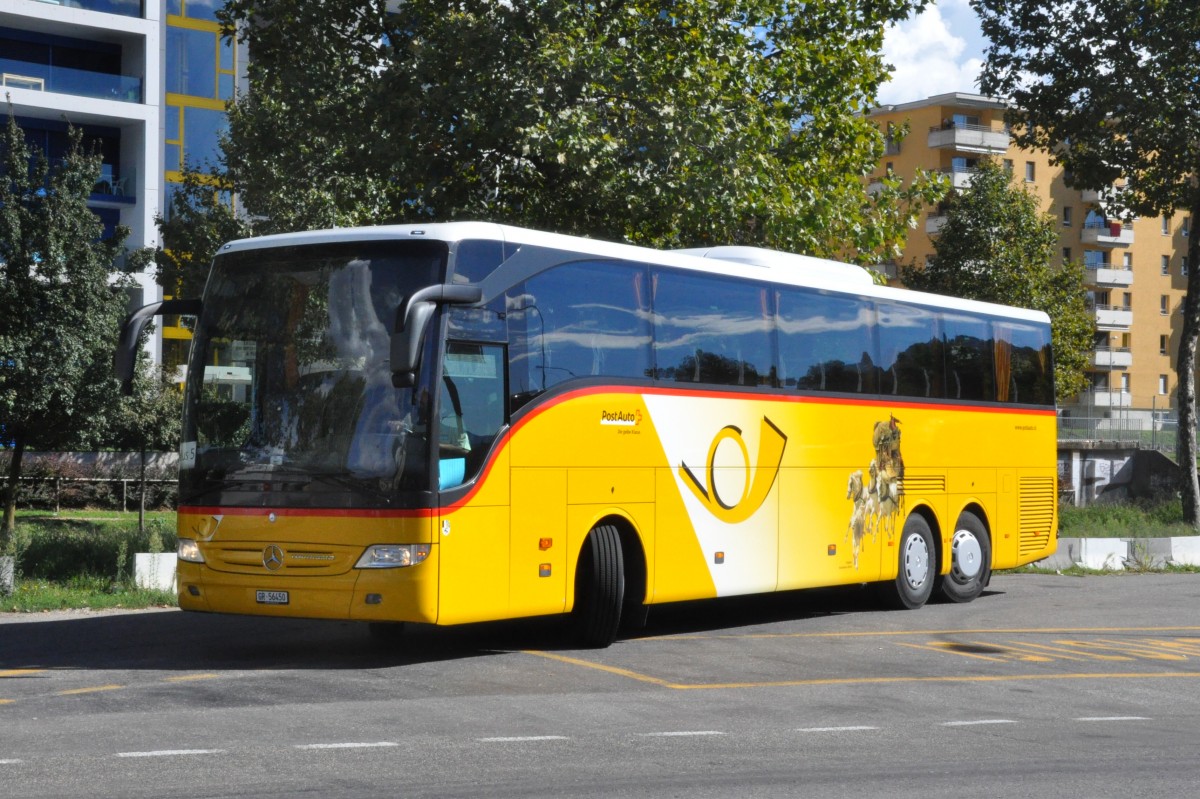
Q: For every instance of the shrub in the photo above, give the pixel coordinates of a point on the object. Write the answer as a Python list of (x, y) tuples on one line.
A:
[(63, 549)]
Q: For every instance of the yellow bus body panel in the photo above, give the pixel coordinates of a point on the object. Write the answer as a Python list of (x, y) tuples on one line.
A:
[(725, 493)]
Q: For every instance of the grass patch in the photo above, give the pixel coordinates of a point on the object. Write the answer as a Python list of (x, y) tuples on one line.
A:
[(32, 596), (60, 549), (1132, 520), (1080, 571)]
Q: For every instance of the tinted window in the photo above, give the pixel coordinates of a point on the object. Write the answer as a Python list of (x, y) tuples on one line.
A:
[(1024, 369), (586, 319), (826, 342), (969, 374), (910, 350), (712, 330)]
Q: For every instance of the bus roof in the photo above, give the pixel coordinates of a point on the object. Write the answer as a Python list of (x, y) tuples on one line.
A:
[(747, 262)]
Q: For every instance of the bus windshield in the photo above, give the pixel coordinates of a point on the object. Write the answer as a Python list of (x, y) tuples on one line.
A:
[(289, 393)]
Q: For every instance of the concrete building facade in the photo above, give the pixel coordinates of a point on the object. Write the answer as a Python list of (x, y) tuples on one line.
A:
[(1135, 271), (145, 80)]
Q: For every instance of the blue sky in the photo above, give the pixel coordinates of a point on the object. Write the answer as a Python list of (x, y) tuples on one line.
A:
[(938, 51)]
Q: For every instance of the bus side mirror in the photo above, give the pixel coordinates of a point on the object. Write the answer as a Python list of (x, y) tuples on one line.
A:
[(412, 320), (131, 333)]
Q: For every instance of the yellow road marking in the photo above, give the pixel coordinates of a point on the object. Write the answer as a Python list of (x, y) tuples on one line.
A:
[(1039, 650), (633, 675), (977, 678), (94, 689), (7, 701), (20, 672), (192, 677), (901, 633)]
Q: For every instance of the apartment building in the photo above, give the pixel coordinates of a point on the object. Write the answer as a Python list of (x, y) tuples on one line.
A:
[(1135, 272), (145, 80)]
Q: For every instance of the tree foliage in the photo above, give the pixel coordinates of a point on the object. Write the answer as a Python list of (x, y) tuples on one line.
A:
[(997, 245), (200, 219), (1109, 88), (663, 123), (61, 305)]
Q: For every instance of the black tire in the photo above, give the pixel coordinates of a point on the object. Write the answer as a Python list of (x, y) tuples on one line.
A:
[(971, 560), (599, 588), (917, 567)]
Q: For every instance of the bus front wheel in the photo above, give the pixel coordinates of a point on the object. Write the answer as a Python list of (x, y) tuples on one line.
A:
[(970, 560), (917, 570), (599, 588)]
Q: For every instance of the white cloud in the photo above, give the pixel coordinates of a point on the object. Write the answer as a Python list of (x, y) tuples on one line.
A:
[(937, 51)]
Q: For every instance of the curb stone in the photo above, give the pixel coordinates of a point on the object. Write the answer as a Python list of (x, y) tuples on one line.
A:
[(1115, 554)]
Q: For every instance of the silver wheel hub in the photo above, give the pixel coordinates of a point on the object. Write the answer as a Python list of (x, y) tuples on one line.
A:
[(967, 556), (916, 560)]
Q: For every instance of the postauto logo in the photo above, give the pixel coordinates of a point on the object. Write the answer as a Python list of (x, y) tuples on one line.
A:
[(755, 486)]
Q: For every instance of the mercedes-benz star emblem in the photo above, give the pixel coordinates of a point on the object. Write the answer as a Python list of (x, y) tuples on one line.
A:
[(273, 557)]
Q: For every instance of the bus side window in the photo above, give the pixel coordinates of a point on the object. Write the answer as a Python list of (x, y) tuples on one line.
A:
[(580, 320), (712, 330), (470, 409), (1024, 369), (969, 346), (911, 347), (826, 342)]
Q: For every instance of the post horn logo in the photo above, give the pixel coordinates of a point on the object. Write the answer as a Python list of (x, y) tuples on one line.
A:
[(756, 486)]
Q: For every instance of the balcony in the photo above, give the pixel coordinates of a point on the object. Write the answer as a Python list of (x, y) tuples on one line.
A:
[(124, 8), (934, 222), (959, 178), (77, 82), (1103, 398), (1110, 234), (969, 138), (1105, 274), (115, 186), (1112, 358), (1111, 317)]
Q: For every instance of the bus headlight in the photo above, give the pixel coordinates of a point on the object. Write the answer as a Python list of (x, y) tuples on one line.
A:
[(189, 550), (392, 556)]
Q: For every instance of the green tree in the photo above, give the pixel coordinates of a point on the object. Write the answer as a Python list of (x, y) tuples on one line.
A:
[(997, 245), (147, 420), (199, 220), (663, 123), (61, 304), (1109, 88)]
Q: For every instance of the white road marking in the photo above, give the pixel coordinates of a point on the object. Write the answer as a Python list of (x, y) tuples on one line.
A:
[(835, 729), (975, 723), (348, 745), (172, 753), (1114, 718), (680, 734), (10, 762), (522, 739)]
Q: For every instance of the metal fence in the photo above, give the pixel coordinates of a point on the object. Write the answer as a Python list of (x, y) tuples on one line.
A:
[(1145, 428)]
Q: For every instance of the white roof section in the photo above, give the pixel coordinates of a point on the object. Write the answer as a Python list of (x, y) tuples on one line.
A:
[(956, 99), (751, 263)]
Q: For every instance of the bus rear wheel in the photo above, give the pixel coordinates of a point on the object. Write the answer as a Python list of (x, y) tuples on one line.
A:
[(970, 560), (914, 580), (599, 588)]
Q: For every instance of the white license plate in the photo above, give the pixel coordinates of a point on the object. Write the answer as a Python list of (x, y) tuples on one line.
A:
[(271, 597)]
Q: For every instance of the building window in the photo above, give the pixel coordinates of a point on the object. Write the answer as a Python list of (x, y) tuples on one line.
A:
[(1162, 384), (1165, 264), (1166, 225), (1127, 260), (1066, 218), (1183, 266), (1029, 172), (1125, 383), (1163, 303), (1095, 259), (1162, 345), (1186, 226), (1008, 165), (1127, 299), (1066, 255)]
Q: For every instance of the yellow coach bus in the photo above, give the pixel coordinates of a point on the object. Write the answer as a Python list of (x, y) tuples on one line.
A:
[(462, 422)]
